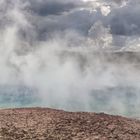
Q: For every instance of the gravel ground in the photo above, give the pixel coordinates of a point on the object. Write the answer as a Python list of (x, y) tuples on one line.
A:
[(50, 124)]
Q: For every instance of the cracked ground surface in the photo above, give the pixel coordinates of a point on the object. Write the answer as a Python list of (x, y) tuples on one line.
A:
[(50, 124)]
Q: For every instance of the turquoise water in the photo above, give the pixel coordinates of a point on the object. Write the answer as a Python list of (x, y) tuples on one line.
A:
[(17, 96), (114, 101)]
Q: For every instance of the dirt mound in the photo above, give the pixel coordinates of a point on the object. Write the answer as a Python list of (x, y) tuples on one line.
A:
[(49, 124)]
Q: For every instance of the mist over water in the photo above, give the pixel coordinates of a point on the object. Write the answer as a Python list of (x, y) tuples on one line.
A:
[(73, 55)]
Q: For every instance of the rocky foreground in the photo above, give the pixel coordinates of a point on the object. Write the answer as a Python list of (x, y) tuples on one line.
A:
[(49, 124)]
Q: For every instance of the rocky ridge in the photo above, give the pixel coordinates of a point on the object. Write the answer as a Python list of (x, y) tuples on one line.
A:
[(50, 124)]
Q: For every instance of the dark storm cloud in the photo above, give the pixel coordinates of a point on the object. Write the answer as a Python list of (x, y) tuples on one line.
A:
[(53, 7), (79, 20), (48, 17), (54, 16), (122, 21), (125, 20)]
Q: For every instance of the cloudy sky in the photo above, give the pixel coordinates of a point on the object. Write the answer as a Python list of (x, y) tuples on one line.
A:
[(117, 25)]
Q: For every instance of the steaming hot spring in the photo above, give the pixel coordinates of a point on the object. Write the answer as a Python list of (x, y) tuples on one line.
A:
[(80, 81)]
